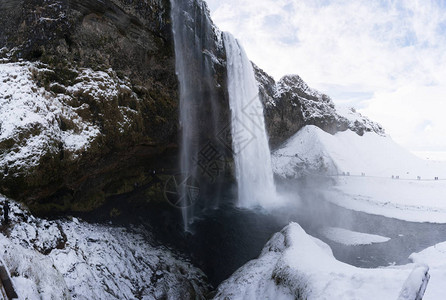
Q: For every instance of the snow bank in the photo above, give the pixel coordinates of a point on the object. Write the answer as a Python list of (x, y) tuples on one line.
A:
[(293, 266), (34, 274), (352, 238), (304, 153)]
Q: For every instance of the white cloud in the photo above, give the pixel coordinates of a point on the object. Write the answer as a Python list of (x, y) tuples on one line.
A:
[(414, 116), (381, 55)]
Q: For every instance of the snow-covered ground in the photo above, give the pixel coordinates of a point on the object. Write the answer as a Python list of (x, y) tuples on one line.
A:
[(410, 200), (74, 259), (351, 238), (368, 162), (294, 265)]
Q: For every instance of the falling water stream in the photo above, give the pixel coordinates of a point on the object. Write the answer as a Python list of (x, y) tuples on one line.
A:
[(199, 108), (249, 139)]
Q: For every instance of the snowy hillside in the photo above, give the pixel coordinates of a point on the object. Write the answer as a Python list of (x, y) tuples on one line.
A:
[(294, 265), (373, 174), (312, 150)]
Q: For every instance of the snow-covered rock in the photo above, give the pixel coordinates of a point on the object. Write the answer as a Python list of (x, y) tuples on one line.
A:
[(304, 153), (67, 259), (38, 121), (33, 120), (293, 266)]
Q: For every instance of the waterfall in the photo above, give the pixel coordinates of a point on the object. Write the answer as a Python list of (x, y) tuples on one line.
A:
[(249, 139), (199, 110), (205, 125)]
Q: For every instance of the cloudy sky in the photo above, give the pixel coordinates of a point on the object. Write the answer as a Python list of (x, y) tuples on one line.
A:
[(386, 58)]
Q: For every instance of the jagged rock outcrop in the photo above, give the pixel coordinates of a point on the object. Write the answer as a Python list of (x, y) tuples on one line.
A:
[(290, 104)]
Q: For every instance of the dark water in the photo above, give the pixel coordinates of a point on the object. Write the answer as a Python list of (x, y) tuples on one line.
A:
[(226, 238)]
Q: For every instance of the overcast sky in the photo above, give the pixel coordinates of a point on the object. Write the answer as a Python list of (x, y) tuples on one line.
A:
[(386, 58)]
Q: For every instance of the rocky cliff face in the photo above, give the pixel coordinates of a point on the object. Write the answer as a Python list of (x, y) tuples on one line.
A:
[(291, 104), (89, 101), (98, 99)]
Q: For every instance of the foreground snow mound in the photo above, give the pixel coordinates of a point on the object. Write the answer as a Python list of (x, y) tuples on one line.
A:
[(294, 265), (312, 150), (71, 258)]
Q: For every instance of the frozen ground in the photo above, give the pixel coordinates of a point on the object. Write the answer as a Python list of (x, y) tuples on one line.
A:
[(368, 162), (71, 258), (351, 238), (294, 265)]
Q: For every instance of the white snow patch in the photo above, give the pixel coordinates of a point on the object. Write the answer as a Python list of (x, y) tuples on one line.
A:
[(410, 200), (431, 155), (352, 238)]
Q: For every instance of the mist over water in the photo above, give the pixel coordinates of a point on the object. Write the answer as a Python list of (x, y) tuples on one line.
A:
[(249, 139)]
